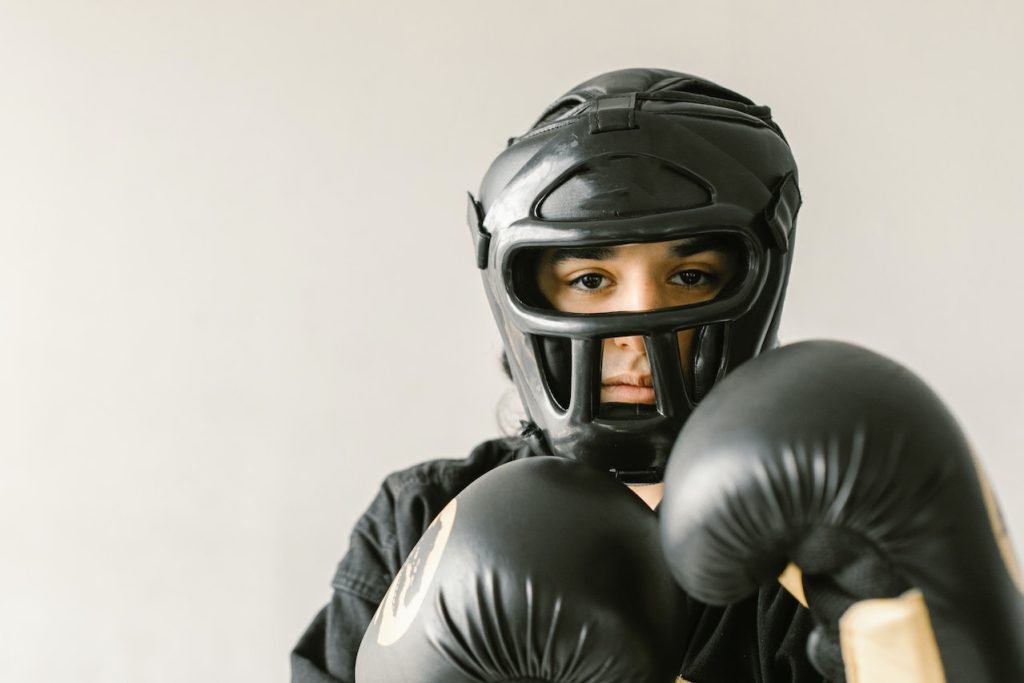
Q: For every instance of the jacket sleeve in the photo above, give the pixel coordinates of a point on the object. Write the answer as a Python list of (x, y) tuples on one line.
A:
[(382, 539)]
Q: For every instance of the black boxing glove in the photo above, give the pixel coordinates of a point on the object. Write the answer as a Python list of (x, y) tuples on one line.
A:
[(542, 570), (844, 463)]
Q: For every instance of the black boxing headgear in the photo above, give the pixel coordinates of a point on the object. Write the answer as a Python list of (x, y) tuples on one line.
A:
[(635, 156)]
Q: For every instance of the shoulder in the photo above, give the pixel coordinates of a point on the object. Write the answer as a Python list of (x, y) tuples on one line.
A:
[(452, 475), (405, 505), (414, 495)]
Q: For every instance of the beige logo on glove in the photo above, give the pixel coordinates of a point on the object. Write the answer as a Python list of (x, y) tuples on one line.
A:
[(402, 602)]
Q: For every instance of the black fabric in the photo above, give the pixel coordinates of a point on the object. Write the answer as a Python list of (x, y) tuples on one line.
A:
[(383, 537), (760, 640)]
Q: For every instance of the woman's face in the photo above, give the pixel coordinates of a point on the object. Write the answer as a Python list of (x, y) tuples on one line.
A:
[(631, 278)]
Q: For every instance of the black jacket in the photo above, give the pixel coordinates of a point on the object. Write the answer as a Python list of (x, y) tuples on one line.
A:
[(761, 639)]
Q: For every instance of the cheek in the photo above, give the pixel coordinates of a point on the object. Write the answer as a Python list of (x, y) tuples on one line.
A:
[(609, 355)]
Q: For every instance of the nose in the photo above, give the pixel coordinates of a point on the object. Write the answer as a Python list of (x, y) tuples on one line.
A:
[(642, 294), (633, 344)]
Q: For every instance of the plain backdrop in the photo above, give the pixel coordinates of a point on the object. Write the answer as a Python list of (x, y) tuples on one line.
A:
[(237, 289)]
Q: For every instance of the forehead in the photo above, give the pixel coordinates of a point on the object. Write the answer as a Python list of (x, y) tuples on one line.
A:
[(681, 248)]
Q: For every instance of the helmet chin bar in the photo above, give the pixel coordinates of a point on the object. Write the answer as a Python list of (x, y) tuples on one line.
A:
[(570, 371), (628, 440), (651, 475)]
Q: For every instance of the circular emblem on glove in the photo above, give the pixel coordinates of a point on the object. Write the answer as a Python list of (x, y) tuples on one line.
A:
[(404, 598)]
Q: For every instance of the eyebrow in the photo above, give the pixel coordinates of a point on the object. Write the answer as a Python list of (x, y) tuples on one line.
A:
[(683, 248), (562, 254)]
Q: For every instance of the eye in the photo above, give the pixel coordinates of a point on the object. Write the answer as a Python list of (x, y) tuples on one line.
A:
[(693, 278), (589, 281)]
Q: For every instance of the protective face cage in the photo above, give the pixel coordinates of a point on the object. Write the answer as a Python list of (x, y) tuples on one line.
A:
[(629, 168)]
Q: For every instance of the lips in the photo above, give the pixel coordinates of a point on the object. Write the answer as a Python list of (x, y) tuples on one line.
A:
[(628, 388)]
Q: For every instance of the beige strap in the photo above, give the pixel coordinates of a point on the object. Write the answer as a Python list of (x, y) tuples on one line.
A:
[(995, 517), (890, 641), (792, 579)]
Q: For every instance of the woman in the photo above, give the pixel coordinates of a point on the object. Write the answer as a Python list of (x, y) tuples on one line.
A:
[(635, 246)]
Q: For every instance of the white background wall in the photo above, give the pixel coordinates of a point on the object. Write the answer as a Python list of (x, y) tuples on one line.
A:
[(236, 288)]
